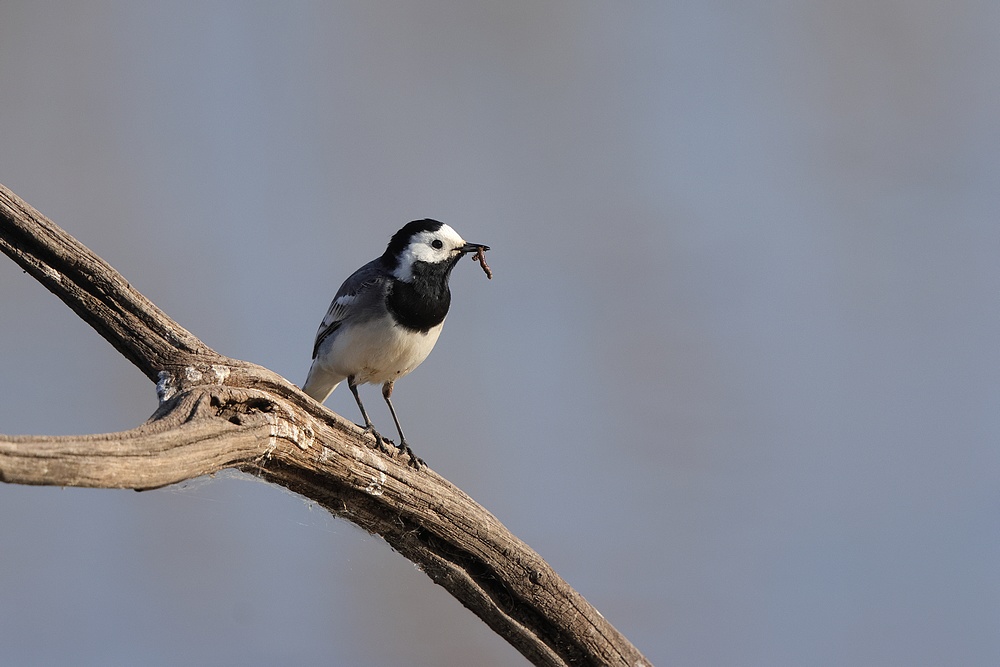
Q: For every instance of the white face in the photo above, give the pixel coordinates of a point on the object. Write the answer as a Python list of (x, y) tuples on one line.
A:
[(430, 247)]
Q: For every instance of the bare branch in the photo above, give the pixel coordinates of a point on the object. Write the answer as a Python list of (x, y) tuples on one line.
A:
[(218, 413)]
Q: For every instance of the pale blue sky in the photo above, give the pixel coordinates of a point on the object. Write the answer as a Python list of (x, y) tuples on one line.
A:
[(736, 377)]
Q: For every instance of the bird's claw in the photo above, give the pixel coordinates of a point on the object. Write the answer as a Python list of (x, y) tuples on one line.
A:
[(415, 461), (384, 444), (387, 446)]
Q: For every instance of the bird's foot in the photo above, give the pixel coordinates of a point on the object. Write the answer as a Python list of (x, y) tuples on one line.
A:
[(415, 461), (385, 445)]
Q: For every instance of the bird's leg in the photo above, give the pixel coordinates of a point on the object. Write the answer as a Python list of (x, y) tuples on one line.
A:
[(369, 426), (415, 461)]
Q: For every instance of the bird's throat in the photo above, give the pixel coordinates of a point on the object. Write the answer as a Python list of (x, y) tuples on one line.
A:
[(422, 303)]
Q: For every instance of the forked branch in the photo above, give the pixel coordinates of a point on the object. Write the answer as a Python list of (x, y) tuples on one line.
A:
[(216, 412)]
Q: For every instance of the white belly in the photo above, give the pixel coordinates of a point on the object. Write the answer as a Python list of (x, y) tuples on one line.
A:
[(374, 355)]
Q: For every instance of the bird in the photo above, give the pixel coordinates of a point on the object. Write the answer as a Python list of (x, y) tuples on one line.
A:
[(386, 318)]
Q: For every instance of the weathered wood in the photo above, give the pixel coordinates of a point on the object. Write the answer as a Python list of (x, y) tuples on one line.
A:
[(217, 413)]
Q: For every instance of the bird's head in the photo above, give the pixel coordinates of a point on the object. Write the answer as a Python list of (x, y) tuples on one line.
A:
[(425, 244)]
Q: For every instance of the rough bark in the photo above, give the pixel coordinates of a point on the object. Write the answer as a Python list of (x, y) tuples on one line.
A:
[(216, 412)]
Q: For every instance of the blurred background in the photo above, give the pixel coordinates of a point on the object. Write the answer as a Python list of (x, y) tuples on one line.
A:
[(736, 378)]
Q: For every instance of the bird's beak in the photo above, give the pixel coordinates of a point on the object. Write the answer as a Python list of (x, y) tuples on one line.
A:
[(474, 247)]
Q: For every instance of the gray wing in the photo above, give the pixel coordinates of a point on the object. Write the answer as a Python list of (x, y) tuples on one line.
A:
[(359, 295)]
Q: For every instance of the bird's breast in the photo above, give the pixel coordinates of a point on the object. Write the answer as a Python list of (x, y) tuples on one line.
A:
[(375, 353)]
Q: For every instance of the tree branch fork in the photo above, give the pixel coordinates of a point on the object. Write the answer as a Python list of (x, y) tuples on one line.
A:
[(216, 412)]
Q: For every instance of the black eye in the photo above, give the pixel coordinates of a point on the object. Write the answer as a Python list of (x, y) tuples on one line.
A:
[(437, 244)]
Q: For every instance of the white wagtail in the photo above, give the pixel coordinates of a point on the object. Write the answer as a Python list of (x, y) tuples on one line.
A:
[(386, 317)]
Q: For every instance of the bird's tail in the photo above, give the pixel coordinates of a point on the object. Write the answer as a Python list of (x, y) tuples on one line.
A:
[(320, 383)]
